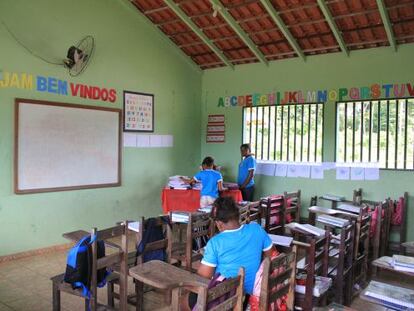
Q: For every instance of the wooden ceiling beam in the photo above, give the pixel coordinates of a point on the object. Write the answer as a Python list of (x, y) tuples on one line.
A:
[(180, 13)]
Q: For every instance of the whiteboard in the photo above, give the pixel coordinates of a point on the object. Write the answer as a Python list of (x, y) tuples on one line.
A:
[(64, 147)]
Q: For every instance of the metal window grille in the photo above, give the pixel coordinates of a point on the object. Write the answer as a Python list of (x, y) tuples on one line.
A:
[(290, 132), (376, 131)]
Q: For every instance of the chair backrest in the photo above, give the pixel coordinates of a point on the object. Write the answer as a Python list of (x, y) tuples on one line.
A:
[(357, 196), (199, 229), (273, 211), (244, 217), (315, 263), (292, 205), (278, 280), (151, 246), (255, 214), (224, 289), (118, 257)]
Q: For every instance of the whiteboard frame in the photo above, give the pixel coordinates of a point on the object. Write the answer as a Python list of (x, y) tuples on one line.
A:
[(19, 101)]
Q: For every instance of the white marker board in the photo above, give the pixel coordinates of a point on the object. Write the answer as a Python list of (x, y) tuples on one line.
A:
[(65, 147)]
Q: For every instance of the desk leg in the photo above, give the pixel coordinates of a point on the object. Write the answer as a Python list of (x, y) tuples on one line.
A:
[(139, 291)]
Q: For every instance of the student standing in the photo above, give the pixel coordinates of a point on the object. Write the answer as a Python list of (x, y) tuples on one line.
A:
[(211, 182), (245, 177)]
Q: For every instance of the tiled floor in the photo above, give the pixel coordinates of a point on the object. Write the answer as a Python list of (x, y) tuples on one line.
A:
[(25, 285)]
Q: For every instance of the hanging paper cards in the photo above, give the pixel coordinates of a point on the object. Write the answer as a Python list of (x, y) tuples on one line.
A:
[(216, 128), (138, 112)]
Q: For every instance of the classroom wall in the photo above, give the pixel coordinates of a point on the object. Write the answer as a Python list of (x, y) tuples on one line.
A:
[(331, 71), (130, 54)]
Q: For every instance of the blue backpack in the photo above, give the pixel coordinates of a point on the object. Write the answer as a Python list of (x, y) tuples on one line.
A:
[(79, 265)]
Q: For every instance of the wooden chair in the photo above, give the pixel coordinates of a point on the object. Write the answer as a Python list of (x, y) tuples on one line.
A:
[(133, 259), (396, 247), (278, 280), (244, 217), (199, 227), (315, 263), (340, 261), (255, 213), (292, 205), (119, 257), (205, 295), (273, 211)]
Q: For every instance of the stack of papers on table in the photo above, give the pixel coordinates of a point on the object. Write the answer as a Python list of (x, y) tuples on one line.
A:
[(175, 182), (281, 240), (394, 297), (334, 221), (403, 263), (181, 217), (322, 284)]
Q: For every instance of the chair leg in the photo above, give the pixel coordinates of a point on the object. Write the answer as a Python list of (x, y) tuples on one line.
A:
[(139, 291), (110, 294), (56, 297)]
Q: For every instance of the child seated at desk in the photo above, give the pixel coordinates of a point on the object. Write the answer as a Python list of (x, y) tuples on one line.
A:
[(211, 180)]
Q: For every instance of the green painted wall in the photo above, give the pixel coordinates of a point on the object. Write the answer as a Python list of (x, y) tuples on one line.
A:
[(130, 54), (331, 71)]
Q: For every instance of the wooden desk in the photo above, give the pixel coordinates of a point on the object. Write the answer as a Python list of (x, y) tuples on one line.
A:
[(384, 263), (334, 307), (162, 275), (75, 236)]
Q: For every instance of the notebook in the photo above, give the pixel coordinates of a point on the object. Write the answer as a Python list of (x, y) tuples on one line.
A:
[(389, 295), (134, 226), (281, 240)]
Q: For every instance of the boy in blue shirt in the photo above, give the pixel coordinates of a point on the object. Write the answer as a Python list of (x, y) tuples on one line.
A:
[(234, 247), (211, 181), (245, 178)]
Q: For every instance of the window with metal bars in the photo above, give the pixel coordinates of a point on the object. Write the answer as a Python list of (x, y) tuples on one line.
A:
[(376, 131), (290, 132)]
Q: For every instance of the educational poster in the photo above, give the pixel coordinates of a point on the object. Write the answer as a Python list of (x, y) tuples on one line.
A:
[(216, 129), (138, 112)]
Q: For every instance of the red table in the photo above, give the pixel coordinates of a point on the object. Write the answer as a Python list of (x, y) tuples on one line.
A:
[(188, 200)]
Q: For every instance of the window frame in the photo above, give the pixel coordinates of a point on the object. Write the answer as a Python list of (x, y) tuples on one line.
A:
[(378, 152), (281, 143)]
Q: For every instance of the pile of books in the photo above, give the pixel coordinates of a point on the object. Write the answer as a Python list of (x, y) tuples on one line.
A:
[(176, 182), (181, 217), (334, 221), (403, 263), (322, 284)]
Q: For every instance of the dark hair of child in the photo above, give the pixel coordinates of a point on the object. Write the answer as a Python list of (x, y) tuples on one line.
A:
[(225, 209), (208, 161), (245, 146)]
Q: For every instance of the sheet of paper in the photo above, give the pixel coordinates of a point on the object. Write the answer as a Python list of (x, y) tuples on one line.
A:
[(143, 141), (281, 170), (342, 173), (167, 140), (357, 173), (304, 170), (292, 170), (156, 141), (371, 173), (259, 168), (268, 169), (130, 140), (317, 172)]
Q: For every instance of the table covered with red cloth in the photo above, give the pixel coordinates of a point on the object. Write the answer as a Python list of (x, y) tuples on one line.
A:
[(189, 200)]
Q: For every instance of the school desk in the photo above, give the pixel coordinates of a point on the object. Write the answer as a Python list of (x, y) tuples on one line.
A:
[(189, 200)]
